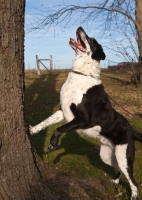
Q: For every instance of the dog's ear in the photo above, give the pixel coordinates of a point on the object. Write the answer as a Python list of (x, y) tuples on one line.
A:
[(98, 54)]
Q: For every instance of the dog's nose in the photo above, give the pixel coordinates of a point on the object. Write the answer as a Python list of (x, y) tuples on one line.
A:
[(80, 29)]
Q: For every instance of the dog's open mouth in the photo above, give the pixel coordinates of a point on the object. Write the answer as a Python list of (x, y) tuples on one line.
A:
[(79, 44)]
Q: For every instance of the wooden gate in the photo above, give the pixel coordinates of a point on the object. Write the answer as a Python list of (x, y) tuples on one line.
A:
[(39, 61)]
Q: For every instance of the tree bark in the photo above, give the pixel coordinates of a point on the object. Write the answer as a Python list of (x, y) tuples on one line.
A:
[(19, 174), (139, 26)]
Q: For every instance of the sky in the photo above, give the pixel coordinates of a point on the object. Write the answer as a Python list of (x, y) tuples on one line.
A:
[(55, 41)]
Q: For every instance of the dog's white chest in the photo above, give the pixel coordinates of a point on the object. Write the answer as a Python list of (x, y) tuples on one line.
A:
[(73, 90)]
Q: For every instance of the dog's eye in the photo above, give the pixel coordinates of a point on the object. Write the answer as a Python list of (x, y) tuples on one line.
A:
[(92, 40)]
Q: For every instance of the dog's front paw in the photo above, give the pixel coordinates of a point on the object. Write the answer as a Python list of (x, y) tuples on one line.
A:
[(33, 130), (116, 181), (51, 147)]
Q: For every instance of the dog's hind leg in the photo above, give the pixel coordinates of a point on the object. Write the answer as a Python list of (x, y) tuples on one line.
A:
[(107, 155), (53, 119), (117, 179), (72, 125), (125, 157)]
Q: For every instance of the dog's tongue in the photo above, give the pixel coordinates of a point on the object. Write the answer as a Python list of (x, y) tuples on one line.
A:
[(77, 44)]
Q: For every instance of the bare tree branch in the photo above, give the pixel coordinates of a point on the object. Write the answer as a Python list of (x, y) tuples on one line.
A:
[(67, 12)]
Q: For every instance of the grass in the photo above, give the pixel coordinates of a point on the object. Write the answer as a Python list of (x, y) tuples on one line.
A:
[(76, 154)]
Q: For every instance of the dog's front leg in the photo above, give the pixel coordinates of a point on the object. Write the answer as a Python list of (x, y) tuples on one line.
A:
[(55, 118), (72, 125)]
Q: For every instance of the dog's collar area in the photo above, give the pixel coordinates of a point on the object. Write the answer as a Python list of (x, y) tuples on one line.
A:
[(76, 72), (96, 77)]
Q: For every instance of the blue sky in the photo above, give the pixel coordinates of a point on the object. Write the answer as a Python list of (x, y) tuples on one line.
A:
[(55, 41)]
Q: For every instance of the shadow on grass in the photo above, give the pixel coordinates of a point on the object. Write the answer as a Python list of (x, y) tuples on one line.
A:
[(74, 144), (41, 97)]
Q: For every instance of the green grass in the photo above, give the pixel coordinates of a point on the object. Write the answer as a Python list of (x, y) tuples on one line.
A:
[(78, 154)]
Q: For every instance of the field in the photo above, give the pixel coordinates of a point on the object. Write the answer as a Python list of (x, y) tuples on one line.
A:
[(78, 171)]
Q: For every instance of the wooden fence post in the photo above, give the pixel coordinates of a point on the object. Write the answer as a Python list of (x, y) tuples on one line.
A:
[(38, 66), (51, 64)]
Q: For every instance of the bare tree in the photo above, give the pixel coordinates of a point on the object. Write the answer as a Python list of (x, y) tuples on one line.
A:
[(19, 174), (122, 15)]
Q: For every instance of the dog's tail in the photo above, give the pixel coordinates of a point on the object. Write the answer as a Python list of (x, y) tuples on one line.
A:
[(137, 136), (53, 119)]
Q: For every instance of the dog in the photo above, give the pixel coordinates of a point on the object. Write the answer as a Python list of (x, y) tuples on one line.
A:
[(87, 109)]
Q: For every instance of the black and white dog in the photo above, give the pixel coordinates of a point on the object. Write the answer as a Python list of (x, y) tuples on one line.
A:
[(87, 109)]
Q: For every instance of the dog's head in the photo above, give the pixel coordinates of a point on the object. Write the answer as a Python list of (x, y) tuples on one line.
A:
[(87, 45)]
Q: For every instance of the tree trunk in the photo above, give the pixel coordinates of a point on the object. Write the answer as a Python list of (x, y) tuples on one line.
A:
[(139, 26), (19, 174)]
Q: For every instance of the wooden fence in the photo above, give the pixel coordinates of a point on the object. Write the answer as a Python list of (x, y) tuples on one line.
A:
[(40, 61)]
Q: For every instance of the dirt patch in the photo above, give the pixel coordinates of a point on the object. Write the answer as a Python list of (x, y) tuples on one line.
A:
[(69, 187)]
